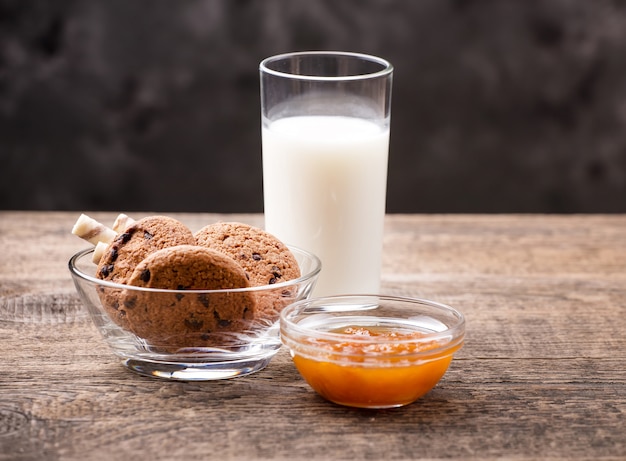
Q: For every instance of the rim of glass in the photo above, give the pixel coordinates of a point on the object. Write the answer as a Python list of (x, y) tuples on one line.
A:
[(316, 262), (386, 70), (455, 332)]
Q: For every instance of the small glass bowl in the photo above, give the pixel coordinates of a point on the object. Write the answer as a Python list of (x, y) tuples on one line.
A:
[(186, 349), (371, 351)]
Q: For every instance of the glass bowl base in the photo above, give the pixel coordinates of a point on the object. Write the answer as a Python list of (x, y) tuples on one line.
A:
[(208, 371)]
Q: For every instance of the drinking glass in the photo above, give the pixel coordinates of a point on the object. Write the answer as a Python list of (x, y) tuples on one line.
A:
[(325, 137)]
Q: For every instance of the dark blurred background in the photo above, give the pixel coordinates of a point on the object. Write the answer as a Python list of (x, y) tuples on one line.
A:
[(498, 105)]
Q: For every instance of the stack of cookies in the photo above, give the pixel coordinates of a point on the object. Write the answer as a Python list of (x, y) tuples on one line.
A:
[(161, 253)]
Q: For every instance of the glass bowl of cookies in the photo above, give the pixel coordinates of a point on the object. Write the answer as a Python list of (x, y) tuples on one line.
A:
[(189, 306)]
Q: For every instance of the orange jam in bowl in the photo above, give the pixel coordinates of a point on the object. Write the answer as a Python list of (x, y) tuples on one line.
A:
[(371, 351)]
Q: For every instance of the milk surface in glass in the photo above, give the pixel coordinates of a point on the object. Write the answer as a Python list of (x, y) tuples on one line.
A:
[(325, 180)]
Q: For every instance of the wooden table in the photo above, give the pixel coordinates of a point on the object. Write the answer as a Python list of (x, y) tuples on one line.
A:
[(542, 374)]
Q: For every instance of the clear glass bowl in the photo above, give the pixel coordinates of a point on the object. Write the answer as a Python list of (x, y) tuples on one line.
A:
[(185, 349), (371, 351)]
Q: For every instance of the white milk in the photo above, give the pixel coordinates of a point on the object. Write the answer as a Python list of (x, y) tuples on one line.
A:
[(325, 180)]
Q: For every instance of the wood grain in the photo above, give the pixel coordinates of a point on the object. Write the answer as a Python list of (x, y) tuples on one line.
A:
[(542, 374)]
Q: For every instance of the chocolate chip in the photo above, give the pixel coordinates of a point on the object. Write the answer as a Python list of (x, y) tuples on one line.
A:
[(204, 299), (147, 235), (221, 322), (256, 256), (276, 274), (113, 254), (106, 270), (145, 275), (130, 302), (179, 296), (194, 324), (123, 237)]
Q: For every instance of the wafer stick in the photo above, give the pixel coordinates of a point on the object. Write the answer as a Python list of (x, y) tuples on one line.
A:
[(92, 231), (98, 234)]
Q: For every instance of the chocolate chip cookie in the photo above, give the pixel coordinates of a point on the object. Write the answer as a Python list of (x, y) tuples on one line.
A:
[(264, 257), (184, 318), (129, 248)]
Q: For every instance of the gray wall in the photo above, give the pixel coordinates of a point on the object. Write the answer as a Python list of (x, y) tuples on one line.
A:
[(498, 106)]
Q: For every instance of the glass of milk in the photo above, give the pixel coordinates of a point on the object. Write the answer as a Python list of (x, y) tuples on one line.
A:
[(325, 131)]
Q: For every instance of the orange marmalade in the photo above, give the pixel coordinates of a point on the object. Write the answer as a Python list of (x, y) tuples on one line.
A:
[(392, 370)]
